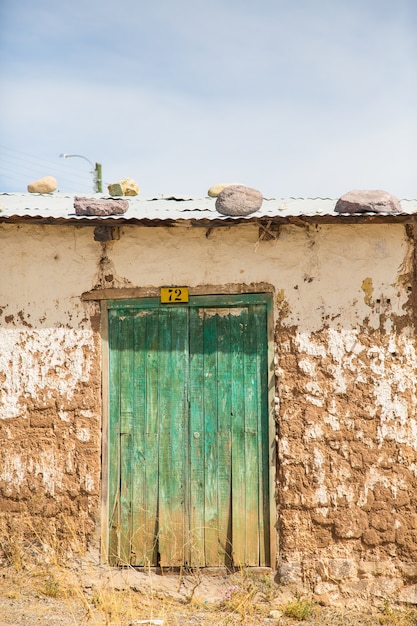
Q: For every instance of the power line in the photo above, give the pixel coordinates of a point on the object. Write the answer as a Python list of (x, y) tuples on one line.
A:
[(57, 165), (36, 164), (29, 170), (19, 166), (23, 179)]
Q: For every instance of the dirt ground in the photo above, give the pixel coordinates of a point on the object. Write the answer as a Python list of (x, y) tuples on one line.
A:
[(82, 593)]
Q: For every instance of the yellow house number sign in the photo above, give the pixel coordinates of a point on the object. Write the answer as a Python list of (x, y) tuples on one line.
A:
[(171, 295)]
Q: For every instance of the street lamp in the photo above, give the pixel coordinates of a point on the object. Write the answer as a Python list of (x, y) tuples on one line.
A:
[(98, 181)]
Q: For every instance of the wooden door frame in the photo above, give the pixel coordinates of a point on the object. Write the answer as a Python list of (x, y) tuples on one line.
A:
[(265, 296)]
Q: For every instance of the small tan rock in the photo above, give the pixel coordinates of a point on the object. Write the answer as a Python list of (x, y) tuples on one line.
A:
[(47, 184), (368, 201), (238, 200), (125, 187), (214, 191)]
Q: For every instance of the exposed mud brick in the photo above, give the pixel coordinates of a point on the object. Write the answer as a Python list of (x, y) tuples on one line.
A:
[(380, 521), (322, 538), (318, 518), (410, 541), (401, 499), (379, 505), (351, 523), (401, 535), (42, 419), (388, 536), (356, 460), (412, 519)]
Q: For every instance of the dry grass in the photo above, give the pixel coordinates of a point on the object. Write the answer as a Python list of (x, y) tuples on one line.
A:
[(45, 578), (300, 609), (393, 616)]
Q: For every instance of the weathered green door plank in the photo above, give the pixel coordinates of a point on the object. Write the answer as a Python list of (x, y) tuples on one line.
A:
[(225, 318), (252, 401), (138, 440), (144, 464), (211, 512), (196, 556), (261, 322), (126, 435), (114, 438), (173, 418), (179, 430), (150, 486), (238, 330)]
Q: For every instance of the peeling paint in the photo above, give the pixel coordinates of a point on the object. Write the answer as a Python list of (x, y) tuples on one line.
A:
[(83, 434), (368, 289), (206, 313), (54, 363)]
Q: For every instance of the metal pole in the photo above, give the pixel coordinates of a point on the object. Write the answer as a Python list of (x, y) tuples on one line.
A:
[(99, 179)]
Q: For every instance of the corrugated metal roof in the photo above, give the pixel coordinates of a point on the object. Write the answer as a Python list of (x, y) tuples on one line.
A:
[(59, 207)]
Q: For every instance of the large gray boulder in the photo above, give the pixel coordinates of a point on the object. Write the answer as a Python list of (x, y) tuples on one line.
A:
[(238, 200), (368, 201), (100, 206)]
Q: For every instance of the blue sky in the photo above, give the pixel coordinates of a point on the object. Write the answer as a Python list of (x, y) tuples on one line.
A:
[(292, 97)]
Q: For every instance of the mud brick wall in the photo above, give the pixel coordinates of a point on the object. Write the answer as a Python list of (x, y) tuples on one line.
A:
[(347, 439), (50, 381), (50, 430), (345, 364)]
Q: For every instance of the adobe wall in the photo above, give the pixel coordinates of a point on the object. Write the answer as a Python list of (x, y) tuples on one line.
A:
[(345, 380), (50, 394), (345, 369)]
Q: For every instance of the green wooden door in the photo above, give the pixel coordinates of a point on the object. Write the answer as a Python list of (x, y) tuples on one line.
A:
[(188, 432)]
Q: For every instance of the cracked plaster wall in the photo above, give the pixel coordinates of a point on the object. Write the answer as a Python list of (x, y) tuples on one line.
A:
[(345, 376)]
